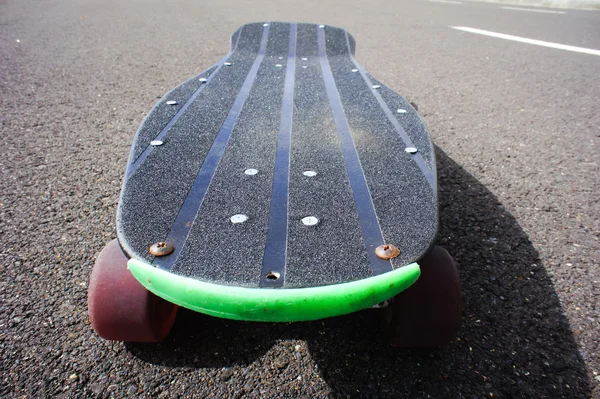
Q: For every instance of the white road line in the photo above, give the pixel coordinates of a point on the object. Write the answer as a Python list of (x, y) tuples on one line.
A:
[(532, 10), (529, 41), (445, 1)]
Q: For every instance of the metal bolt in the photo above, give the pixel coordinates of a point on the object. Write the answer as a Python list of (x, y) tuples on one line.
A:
[(227, 63), (161, 248), (310, 221), (155, 143), (304, 59), (239, 218), (309, 173), (321, 26), (355, 70), (411, 150), (278, 65), (251, 172), (383, 304), (202, 80), (401, 111), (273, 275), (171, 102), (387, 251), (265, 24), (376, 86)]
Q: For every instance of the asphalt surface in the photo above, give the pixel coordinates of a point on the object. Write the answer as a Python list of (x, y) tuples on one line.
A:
[(517, 129)]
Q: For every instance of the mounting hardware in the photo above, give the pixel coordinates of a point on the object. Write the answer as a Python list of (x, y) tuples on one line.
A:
[(310, 221), (272, 276), (387, 251), (161, 248), (239, 218)]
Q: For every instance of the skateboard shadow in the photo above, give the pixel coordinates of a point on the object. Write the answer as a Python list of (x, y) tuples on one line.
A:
[(514, 341)]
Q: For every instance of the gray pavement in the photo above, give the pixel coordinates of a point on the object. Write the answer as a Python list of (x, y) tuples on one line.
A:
[(517, 129)]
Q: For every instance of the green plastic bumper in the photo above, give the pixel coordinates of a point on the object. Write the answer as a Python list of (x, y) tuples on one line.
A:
[(272, 305)]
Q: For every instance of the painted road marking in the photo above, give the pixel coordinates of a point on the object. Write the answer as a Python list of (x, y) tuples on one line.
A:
[(532, 10), (445, 1), (528, 41)]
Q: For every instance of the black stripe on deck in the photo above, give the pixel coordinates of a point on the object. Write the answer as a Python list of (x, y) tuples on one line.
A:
[(152, 196), (362, 197), (162, 113), (273, 272), (138, 157), (218, 250), (332, 251), (189, 210), (405, 202), (142, 157), (430, 173)]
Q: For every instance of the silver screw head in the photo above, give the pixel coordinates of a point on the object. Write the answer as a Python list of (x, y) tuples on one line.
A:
[(309, 173), (171, 102), (411, 150), (156, 143), (310, 221), (239, 218), (251, 172)]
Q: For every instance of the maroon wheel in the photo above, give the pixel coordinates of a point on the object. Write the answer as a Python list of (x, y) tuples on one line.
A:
[(428, 313), (120, 308)]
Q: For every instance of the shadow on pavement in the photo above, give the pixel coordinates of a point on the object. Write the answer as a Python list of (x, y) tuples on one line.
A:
[(514, 341)]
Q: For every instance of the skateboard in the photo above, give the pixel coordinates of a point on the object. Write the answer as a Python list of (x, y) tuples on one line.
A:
[(283, 184)]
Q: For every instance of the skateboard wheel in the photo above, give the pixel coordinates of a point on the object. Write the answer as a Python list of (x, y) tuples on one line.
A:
[(120, 308), (428, 313)]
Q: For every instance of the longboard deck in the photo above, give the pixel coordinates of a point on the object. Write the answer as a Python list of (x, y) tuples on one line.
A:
[(287, 126)]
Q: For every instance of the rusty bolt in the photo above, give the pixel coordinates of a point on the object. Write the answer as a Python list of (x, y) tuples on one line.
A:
[(387, 251), (161, 249)]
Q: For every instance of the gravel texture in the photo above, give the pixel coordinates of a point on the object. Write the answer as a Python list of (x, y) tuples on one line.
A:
[(517, 133)]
